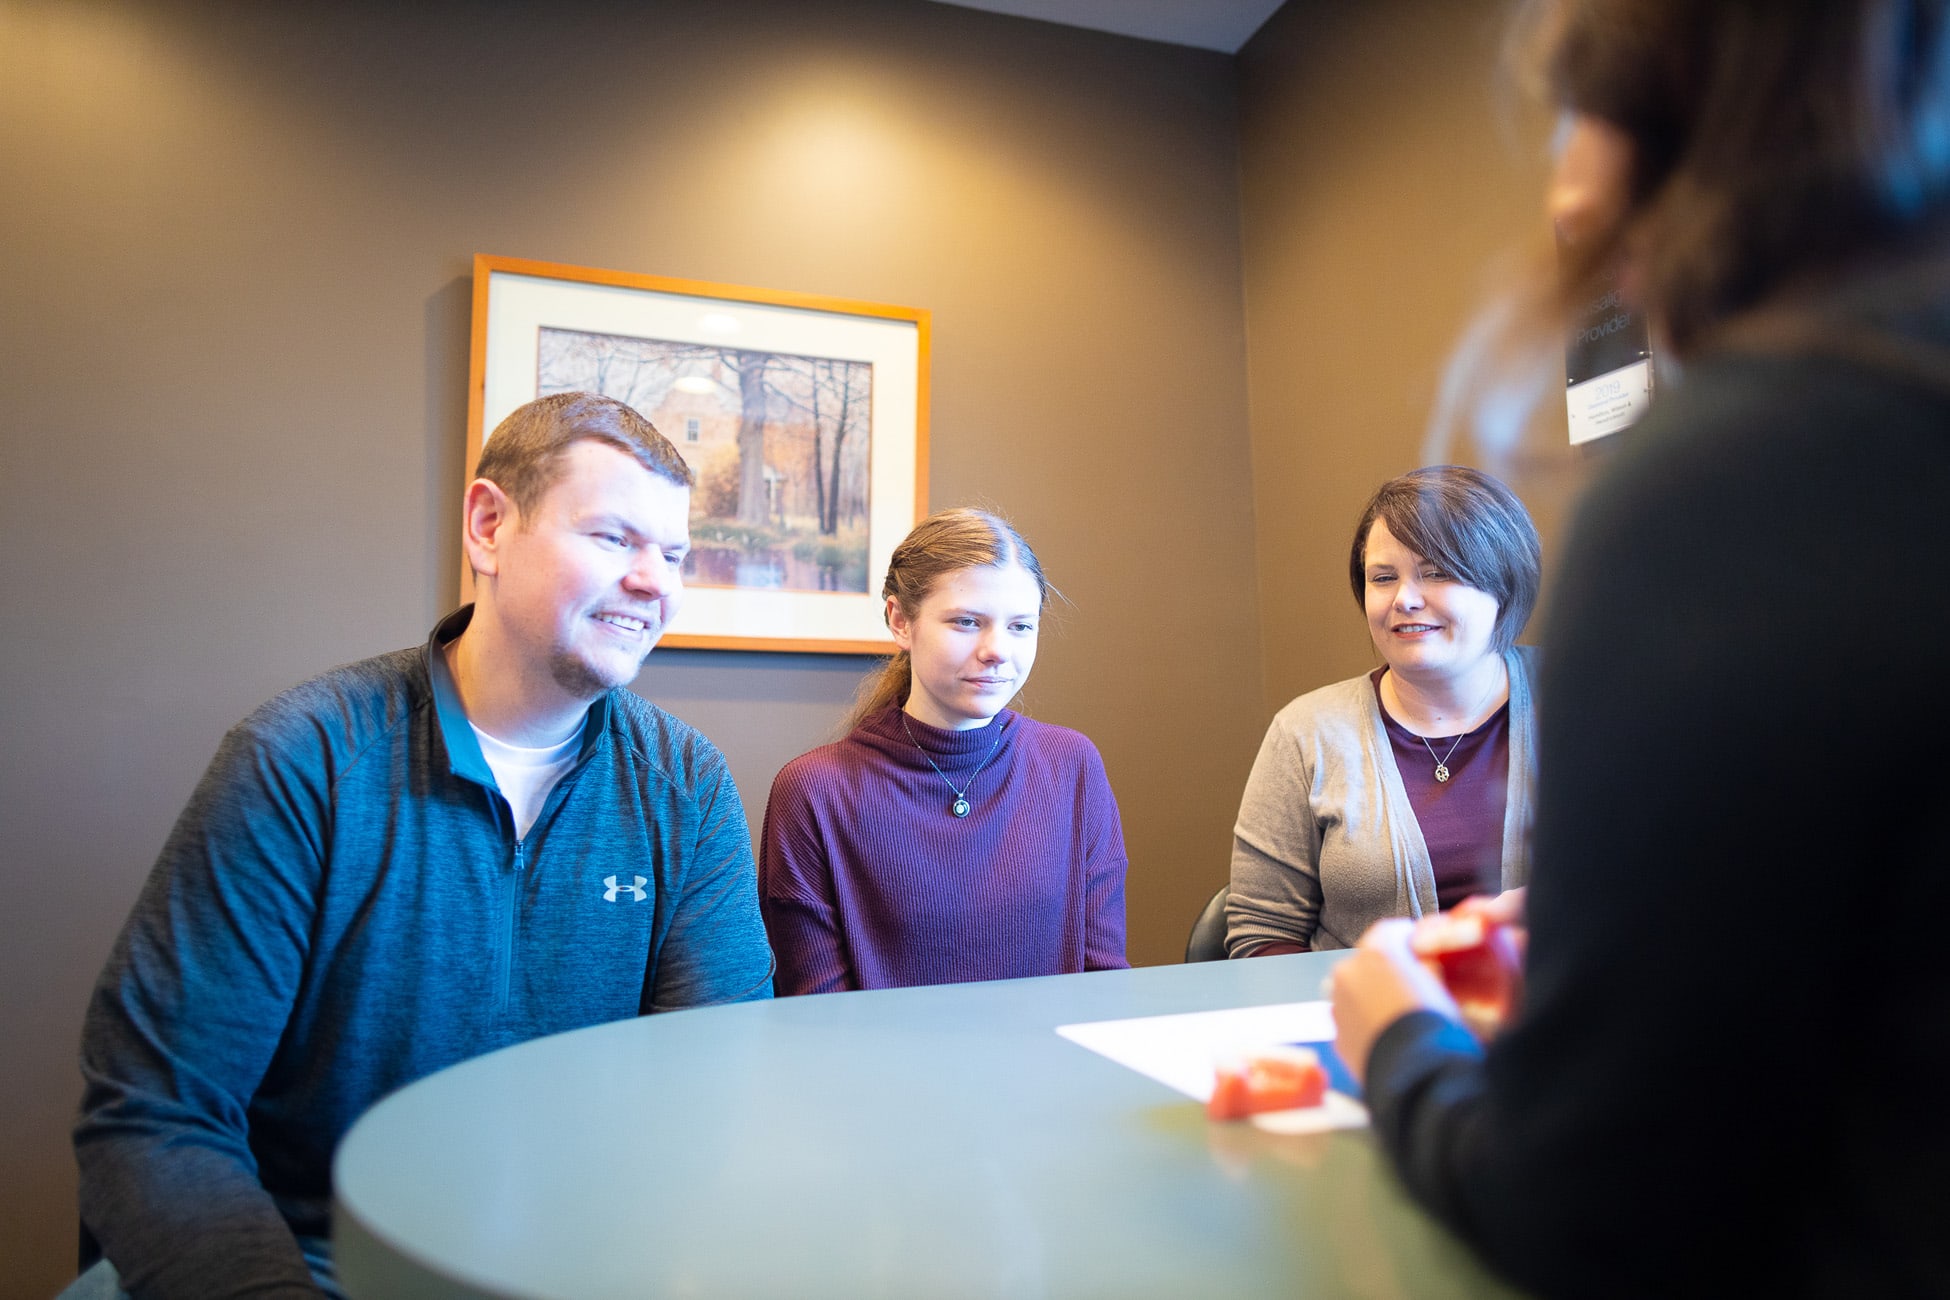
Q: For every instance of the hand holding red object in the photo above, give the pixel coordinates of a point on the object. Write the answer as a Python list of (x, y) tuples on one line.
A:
[(1506, 908), (1279, 1078), (1477, 951), (1378, 983)]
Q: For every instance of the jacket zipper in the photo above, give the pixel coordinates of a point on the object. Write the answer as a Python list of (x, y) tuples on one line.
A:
[(508, 937)]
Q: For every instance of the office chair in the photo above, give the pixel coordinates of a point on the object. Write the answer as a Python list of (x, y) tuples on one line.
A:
[(1208, 938)]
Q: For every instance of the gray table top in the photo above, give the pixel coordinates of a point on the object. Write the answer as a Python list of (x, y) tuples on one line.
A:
[(905, 1143)]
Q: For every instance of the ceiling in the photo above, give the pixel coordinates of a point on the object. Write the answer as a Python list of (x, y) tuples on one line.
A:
[(1222, 25)]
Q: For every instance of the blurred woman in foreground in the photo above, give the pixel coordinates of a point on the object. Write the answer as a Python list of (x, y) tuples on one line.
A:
[(1729, 1074)]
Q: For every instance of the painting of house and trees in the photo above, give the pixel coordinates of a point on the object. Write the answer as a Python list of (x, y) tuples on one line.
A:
[(780, 445)]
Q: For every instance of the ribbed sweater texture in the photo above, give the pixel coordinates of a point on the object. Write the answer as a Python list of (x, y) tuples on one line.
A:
[(867, 880)]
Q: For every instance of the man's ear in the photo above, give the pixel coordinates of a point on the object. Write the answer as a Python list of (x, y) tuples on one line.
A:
[(488, 517), (899, 624)]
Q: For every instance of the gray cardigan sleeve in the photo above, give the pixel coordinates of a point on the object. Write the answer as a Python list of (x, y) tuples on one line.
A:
[(1276, 892)]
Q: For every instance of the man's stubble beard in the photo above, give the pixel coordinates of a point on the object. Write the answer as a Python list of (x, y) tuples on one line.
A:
[(577, 678)]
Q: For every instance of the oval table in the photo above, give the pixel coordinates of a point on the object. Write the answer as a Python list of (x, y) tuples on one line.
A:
[(929, 1142)]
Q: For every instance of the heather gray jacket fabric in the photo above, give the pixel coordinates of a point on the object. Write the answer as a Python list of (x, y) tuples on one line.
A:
[(343, 908), (1326, 842)]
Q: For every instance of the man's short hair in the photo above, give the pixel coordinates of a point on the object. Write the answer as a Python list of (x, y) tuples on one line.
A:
[(524, 450)]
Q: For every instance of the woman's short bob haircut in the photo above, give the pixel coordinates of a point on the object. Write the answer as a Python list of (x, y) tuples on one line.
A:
[(1467, 524), (1774, 143)]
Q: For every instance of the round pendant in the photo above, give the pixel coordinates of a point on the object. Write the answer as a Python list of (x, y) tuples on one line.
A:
[(959, 808), (1441, 772)]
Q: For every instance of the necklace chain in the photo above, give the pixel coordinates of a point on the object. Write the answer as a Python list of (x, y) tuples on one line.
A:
[(1442, 764), (961, 805)]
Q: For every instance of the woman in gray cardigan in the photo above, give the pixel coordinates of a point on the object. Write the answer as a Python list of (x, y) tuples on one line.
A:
[(1407, 789)]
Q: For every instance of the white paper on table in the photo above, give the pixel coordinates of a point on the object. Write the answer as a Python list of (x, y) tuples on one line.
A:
[(1181, 1051)]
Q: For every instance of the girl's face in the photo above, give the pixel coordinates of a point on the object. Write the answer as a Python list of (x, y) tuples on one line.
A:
[(971, 643)]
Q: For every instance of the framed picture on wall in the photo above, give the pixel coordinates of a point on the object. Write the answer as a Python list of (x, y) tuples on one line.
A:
[(804, 419)]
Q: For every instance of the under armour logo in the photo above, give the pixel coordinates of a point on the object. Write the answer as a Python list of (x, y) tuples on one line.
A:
[(636, 891)]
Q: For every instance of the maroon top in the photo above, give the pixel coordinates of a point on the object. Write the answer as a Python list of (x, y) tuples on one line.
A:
[(1461, 818), (867, 879)]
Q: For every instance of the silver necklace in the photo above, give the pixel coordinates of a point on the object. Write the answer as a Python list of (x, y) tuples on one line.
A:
[(1442, 764), (960, 806)]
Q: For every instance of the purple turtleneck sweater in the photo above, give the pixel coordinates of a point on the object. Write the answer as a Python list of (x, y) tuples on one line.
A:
[(868, 881)]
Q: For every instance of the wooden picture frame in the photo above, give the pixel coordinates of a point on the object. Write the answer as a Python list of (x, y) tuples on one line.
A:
[(798, 508)]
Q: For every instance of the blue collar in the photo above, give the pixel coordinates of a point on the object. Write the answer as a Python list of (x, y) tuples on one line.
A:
[(464, 757)]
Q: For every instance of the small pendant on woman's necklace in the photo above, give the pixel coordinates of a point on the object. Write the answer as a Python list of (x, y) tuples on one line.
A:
[(960, 806), (1441, 774)]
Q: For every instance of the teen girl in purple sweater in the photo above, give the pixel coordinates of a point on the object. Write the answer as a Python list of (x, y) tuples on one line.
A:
[(946, 838)]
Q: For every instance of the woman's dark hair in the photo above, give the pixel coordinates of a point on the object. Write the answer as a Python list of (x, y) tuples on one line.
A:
[(939, 545), (1467, 524), (1776, 143)]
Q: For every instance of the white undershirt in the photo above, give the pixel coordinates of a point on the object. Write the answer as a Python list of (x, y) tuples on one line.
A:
[(527, 775)]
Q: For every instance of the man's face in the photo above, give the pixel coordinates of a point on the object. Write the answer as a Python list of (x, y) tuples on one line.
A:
[(588, 580)]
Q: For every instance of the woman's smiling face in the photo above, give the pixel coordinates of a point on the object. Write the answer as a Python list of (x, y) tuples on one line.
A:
[(1425, 624)]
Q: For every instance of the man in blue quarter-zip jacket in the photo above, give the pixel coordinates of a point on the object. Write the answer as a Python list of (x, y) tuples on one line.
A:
[(413, 860)]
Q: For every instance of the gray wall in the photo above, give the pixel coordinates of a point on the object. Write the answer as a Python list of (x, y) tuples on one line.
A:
[(235, 243), (1392, 183)]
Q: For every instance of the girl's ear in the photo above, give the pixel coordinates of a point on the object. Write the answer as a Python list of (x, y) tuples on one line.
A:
[(899, 625)]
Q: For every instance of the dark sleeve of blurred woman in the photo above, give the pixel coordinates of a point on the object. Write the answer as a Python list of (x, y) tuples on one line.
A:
[(1731, 1072)]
